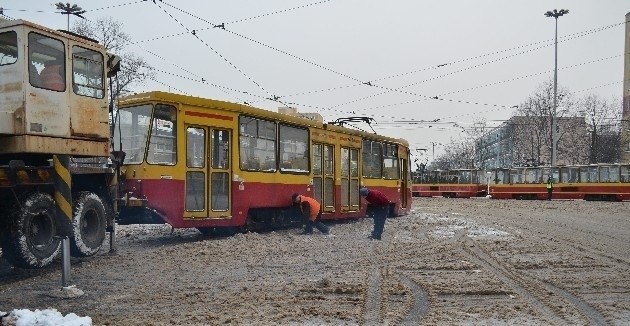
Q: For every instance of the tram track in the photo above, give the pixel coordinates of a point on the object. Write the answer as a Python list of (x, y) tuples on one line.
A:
[(554, 305)]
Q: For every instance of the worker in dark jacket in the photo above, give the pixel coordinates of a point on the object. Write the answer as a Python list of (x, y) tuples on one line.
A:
[(311, 213), (380, 207)]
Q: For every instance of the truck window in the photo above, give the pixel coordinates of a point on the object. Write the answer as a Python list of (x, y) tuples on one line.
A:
[(8, 48), (47, 62), (87, 72)]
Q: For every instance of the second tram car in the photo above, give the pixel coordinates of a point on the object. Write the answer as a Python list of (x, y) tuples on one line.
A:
[(587, 182), (461, 183), (213, 165)]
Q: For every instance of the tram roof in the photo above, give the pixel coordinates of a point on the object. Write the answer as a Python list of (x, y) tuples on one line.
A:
[(158, 96)]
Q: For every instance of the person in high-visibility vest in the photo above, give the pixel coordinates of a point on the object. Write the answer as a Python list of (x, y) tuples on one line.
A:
[(311, 212), (549, 187)]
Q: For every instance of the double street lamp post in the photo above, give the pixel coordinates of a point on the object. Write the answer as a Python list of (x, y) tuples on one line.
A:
[(555, 14)]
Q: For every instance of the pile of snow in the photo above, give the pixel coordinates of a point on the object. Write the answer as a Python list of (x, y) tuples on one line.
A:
[(48, 317)]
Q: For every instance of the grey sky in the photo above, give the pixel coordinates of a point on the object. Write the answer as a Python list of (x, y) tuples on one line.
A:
[(315, 54)]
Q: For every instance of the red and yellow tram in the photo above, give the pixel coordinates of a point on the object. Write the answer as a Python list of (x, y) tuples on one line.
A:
[(460, 183), (194, 162), (586, 182)]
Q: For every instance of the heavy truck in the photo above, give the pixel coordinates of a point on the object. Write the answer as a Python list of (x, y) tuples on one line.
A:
[(57, 178)]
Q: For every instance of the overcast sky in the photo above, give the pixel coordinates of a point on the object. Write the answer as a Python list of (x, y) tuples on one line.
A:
[(382, 59)]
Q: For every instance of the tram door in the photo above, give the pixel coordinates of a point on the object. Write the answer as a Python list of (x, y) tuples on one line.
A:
[(404, 179), (324, 175), (349, 179), (207, 172)]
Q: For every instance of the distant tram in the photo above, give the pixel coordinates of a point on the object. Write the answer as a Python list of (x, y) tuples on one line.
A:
[(587, 182), (213, 165)]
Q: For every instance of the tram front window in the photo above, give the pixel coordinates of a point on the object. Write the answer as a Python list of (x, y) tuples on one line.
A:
[(162, 144), (131, 130)]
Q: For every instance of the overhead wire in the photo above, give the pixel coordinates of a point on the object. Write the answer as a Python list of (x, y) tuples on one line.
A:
[(117, 6), (597, 29), (231, 22), (388, 89), (275, 97), (563, 39), (272, 97)]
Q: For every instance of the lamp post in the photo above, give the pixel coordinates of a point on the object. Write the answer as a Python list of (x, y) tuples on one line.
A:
[(68, 9), (555, 14)]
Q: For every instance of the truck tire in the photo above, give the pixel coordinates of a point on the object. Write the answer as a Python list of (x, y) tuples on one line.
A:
[(89, 224), (30, 242)]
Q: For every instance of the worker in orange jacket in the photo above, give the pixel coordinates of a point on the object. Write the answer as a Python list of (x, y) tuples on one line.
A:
[(311, 214)]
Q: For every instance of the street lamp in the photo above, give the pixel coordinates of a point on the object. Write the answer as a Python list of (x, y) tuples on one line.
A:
[(555, 14), (68, 9)]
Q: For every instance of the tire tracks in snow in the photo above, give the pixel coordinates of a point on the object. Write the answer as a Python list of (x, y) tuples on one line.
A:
[(544, 297)]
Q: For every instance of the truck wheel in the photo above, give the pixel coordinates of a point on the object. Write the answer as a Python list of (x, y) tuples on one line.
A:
[(88, 224), (30, 242)]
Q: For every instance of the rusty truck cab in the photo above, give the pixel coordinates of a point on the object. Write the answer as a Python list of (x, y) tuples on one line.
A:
[(52, 92)]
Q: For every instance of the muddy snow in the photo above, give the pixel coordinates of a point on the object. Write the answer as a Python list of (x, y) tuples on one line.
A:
[(450, 262)]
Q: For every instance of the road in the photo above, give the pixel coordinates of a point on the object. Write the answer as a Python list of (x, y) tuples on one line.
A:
[(450, 262)]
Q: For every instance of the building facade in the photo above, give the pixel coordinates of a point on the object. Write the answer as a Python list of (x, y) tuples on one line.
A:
[(306, 115), (526, 141)]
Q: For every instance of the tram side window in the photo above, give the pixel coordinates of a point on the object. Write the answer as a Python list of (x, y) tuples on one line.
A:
[(502, 177), (625, 173), (8, 48), (131, 130), (453, 177), (163, 141), (574, 175), (434, 177), (588, 174), (257, 140), (294, 149), (533, 175), (372, 158), (391, 170), (87, 72), (47, 64), (516, 176), (465, 177)]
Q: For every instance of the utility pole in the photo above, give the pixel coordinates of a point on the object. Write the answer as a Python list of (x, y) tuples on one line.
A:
[(555, 14)]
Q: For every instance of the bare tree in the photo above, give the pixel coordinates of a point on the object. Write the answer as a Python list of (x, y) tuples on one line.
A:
[(602, 118), (134, 69), (533, 127)]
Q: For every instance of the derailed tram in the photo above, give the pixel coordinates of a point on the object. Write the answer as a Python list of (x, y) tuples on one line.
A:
[(609, 182), (218, 166)]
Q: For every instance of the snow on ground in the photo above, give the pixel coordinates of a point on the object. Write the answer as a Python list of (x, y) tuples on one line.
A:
[(47, 317)]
